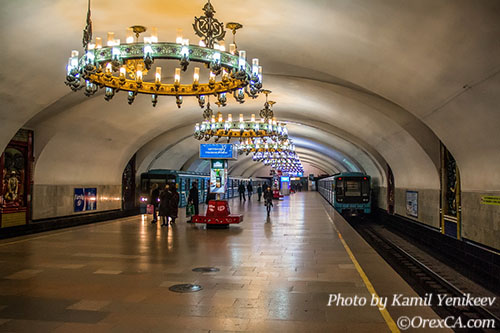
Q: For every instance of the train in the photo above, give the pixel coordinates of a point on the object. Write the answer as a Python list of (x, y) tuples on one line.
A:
[(348, 192), (183, 180)]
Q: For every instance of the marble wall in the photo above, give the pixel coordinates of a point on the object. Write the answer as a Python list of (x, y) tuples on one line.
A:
[(57, 200), (428, 204), (480, 222)]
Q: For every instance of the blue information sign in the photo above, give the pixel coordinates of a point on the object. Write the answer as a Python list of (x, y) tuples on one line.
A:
[(218, 151)]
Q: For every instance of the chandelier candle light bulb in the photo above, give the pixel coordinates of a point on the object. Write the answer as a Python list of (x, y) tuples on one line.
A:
[(211, 79), (154, 35), (179, 39), (111, 39), (196, 76), (158, 75), (123, 71), (130, 36), (98, 42), (242, 60), (255, 66), (177, 77)]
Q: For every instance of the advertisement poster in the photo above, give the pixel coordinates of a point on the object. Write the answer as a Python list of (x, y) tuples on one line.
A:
[(79, 200), (412, 203), (90, 199), (85, 199), (218, 176)]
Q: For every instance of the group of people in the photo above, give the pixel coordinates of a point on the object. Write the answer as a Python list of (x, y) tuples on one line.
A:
[(296, 187), (261, 190), (165, 204)]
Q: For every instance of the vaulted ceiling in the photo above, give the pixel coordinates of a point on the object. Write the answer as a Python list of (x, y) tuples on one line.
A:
[(363, 84)]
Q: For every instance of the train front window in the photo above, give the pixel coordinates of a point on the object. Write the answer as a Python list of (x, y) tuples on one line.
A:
[(339, 190), (352, 188)]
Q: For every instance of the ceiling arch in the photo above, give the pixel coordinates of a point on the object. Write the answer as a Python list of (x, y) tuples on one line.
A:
[(391, 88)]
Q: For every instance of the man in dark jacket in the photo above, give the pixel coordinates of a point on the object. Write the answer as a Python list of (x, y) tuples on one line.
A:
[(259, 192), (250, 190), (241, 191), (155, 194), (194, 199)]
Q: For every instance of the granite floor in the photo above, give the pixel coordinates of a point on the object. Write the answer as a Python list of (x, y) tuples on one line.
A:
[(275, 275)]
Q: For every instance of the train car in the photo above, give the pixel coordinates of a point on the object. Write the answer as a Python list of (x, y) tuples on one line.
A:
[(183, 181), (348, 192)]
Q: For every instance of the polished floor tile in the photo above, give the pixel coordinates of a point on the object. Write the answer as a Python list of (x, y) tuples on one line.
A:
[(276, 274)]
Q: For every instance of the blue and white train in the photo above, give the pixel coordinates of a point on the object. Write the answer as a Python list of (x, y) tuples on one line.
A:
[(183, 180), (348, 192)]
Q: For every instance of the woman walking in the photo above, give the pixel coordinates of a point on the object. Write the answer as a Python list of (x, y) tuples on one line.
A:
[(268, 199)]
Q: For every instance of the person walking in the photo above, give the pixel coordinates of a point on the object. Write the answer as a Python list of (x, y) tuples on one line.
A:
[(155, 195), (164, 210), (268, 199), (193, 198), (241, 191), (249, 190), (174, 205), (259, 192)]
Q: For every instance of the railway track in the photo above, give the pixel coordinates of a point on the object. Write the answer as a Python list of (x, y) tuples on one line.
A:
[(423, 274)]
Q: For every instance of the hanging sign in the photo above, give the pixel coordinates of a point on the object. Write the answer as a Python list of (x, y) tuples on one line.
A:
[(218, 151)]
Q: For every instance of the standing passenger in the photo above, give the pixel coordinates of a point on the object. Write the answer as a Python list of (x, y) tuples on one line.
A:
[(165, 198), (155, 195), (241, 191), (174, 205), (194, 198), (250, 190), (259, 192)]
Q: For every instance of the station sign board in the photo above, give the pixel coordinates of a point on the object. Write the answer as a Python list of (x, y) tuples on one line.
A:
[(226, 151)]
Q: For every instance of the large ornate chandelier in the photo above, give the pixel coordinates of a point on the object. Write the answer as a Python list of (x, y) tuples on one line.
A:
[(280, 161), (215, 126), (262, 145), (120, 66)]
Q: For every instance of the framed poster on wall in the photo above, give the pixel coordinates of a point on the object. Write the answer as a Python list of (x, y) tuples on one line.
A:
[(79, 200), (412, 203), (85, 199), (91, 198)]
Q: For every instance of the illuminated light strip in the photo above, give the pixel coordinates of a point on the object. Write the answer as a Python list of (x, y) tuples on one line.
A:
[(385, 314)]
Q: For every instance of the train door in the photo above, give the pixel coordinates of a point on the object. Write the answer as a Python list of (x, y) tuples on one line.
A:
[(182, 191), (390, 191), (450, 195)]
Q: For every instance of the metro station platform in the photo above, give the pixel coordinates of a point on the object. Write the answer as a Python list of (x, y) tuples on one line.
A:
[(276, 274)]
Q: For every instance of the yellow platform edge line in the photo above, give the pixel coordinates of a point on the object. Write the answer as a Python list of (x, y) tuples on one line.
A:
[(385, 314)]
